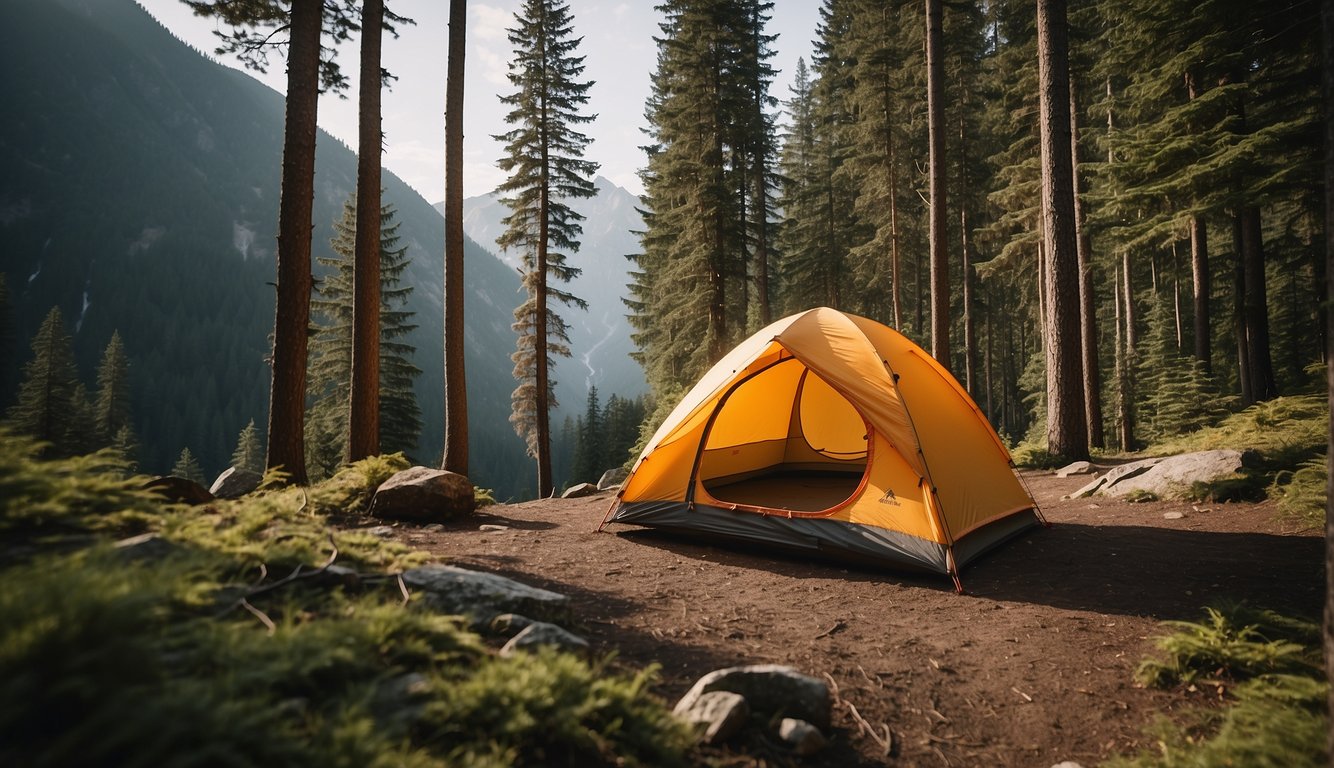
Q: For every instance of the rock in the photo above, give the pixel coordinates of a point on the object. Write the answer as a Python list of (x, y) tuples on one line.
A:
[(1068, 764), (381, 531), (716, 716), (491, 528), (433, 527), (804, 738), (612, 478), (1077, 468), (1167, 477), (510, 624), (179, 490), (579, 491), (449, 589), (540, 634), (422, 495), (1173, 515), (770, 689), (235, 482)]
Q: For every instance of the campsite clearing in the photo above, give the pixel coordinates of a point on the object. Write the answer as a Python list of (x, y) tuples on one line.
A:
[(1032, 666)]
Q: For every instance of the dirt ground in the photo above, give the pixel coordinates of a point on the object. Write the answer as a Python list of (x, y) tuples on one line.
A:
[(1031, 666)]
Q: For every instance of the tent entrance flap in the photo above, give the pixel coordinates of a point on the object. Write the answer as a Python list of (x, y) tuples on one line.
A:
[(784, 440)]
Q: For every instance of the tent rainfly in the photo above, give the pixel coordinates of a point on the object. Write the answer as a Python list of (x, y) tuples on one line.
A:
[(831, 433)]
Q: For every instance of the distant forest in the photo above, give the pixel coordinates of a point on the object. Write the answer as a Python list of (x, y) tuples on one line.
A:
[(1130, 190)]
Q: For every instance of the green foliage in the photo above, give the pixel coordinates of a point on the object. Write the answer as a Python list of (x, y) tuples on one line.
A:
[(1270, 671), (1285, 431), (1304, 495), (113, 390), (46, 403), (483, 497), (605, 436), (188, 467), (249, 454), (1243, 486), (213, 648), (1034, 455)]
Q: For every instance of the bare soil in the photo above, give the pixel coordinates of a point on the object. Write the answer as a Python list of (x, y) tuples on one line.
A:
[(1031, 666)]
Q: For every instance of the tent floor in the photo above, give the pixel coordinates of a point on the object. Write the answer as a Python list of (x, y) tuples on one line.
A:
[(790, 490)]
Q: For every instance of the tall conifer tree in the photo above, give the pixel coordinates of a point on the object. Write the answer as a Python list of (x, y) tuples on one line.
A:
[(113, 391), (544, 157), (45, 407)]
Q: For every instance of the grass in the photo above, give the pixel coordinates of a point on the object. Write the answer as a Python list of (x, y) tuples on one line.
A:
[(1265, 669), (195, 651), (1285, 432)]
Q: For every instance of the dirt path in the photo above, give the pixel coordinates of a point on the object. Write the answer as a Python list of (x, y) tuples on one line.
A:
[(1031, 667)]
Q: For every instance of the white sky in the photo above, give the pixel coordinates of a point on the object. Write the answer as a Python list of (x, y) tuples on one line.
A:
[(619, 56)]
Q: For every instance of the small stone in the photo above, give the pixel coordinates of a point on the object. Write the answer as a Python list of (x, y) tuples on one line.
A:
[(382, 531), (769, 689), (1068, 764), (540, 634), (1077, 468), (1173, 515), (804, 738), (717, 716), (579, 491), (492, 528), (423, 495), (433, 527)]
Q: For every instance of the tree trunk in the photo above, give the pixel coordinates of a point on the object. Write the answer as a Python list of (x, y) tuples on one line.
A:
[(1327, 72), (364, 408), (1255, 307), (455, 457), (542, 399), (1239, 317), (969, 331), (935, 108), (894, 261), (1199, 271), (287, 396), (1088, 313), (1067, 428), (1127, 383)]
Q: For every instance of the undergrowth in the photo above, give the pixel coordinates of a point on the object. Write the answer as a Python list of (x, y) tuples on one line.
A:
[(1285, 432), (1264, 672), (196, 644)]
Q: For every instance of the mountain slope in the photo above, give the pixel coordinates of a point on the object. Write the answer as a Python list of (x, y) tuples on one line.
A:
[(599, 337), (139, 190)]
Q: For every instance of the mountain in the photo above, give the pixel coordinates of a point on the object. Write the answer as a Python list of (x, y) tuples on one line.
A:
[(139, 187), (599, 337)]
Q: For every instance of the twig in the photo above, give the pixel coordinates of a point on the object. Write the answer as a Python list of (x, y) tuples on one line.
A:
[(864, 726), (1021, 693), (837, 626), (295, 575), (257, 613), (403, 587), (305, 502)]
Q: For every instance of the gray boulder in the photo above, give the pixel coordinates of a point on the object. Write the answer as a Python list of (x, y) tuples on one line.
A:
[(1168, 477), (770, 690), (235, 482), (1077, 468), (804, 738), (716, 716), (540, 634), (579, 491), (612, 478), (423, 495), (479, 595)]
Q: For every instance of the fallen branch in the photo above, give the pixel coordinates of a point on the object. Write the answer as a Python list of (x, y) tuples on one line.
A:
[(262, 616), (295, 576), (864, 726)]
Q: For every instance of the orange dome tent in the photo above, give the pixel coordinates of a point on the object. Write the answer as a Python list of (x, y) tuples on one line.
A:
[(828, 432)]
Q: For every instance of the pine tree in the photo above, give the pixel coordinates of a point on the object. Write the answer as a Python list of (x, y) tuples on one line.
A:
[(543, 155), (249, 453), (83, 435), (113, 391), (588, 455), (455, 455), (331, 349), (187, 466), (45, 407), (126, 445), (254, 23)]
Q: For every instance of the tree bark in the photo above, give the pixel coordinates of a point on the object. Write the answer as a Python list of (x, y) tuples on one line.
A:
[(1199, 271), (935, 108), (364, 407), (969, 329), (1255, 307), (1088, 313), (287, 395), (1327, 76), (455, 457), (1067, 427)]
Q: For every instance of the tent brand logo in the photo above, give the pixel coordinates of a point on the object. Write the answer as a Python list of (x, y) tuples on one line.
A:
[(890, 499)]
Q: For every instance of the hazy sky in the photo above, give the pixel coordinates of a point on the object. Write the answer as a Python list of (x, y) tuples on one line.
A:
[(619, 55)]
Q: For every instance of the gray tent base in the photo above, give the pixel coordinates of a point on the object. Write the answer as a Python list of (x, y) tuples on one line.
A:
[(823, 537)]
